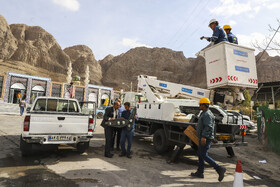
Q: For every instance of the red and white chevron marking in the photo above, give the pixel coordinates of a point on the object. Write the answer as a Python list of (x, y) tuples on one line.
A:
[(253, 81), (243, 127), (232, 78), (216, 80)]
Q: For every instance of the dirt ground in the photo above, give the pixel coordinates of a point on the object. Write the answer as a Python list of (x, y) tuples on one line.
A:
[(66, 167)]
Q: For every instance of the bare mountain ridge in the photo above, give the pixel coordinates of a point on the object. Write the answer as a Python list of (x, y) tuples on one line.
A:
[(164, 63), (32, 45)]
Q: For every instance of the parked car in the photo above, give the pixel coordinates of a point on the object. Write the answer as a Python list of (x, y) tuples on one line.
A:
[(101, 111), (55, 121)]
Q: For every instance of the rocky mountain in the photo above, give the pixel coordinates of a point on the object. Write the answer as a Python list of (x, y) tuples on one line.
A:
[(268, 68), (161, 62), (105, 63), (38, 48), (31, 45), (32, 50), (82, 56), (8, 43)]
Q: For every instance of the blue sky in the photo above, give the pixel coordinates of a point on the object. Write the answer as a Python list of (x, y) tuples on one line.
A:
[(115, 26)]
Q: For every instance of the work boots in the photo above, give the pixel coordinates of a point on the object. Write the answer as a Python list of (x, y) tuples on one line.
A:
[(197, 174), (221, 171)]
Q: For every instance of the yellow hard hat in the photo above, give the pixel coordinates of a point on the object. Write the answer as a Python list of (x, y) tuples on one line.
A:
[(227, 27), (204, 101)]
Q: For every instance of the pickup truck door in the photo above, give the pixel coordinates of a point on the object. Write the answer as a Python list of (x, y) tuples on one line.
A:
[(55, 116)]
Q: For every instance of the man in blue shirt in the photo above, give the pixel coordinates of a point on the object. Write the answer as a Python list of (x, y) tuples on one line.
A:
[(219, 35), (205, 133), (127, 134), (231, 37)]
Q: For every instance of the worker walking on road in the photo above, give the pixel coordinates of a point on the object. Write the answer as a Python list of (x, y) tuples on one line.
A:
[(231, 37), (205, 132), (219, 35)]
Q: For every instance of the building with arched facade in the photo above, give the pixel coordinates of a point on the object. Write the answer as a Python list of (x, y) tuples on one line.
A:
[(14, 86)]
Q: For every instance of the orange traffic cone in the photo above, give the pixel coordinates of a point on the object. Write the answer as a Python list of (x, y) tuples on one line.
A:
[(238, 177)]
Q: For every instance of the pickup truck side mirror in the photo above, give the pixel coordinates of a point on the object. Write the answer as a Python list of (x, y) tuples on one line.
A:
[(28, 109)]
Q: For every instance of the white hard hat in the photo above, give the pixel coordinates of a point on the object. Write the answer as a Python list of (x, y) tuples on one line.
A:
[(212, 21)]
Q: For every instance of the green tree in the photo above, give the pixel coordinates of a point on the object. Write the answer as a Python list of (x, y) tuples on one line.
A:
[(247, 102)]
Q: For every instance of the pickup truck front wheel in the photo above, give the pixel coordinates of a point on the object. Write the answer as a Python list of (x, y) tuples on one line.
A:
[(26, 148), (160, 142), (82, 147)]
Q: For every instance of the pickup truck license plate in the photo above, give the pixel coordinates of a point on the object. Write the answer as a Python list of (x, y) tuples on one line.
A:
[(59, 138)]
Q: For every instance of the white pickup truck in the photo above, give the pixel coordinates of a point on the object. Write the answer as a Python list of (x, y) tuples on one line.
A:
[(55, 121)]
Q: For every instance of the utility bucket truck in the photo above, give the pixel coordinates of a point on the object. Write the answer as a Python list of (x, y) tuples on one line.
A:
[(230, 69)]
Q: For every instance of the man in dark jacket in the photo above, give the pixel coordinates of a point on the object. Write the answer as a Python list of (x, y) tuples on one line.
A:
[(117, 131), (205, 132), (111, 113), (219, 35)]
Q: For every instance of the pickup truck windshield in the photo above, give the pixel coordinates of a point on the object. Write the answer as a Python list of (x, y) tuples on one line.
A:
[(56, 105)]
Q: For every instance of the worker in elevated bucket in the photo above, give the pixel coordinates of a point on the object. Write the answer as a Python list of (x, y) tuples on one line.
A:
[(219, 35), (205, 132), (231, 37)]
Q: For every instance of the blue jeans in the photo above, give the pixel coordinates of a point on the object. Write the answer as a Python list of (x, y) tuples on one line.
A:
[(202, 153), (21, 110), (126, 135)]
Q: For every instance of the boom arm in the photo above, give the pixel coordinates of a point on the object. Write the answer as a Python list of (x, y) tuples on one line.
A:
[(155, 90)]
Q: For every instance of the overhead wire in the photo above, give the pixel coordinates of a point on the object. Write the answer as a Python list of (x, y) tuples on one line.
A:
[(183, 25), (203, 22)]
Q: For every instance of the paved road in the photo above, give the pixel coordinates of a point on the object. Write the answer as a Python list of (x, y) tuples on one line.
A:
[(66, 167)]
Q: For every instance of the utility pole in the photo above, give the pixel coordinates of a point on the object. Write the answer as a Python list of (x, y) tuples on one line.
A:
[(130, 86)]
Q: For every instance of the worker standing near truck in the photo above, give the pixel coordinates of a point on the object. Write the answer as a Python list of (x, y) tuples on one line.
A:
[(231, 37), (111, 113), (127, 134), (117, 131), (219, 35), (205, 132)]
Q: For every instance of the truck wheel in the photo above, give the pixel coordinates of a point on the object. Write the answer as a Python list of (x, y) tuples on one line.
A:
[(160, 141), (82, 147), (170, 148), (100, 115), (26, 148)]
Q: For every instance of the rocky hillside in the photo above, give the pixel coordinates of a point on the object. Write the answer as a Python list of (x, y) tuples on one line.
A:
[(268, 68), (161, 62), (8, 43), (82, 56), (31, 46)]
